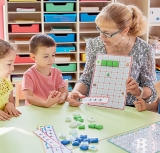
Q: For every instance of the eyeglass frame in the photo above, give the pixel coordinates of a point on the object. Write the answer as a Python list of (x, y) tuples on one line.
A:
[(108, 35)]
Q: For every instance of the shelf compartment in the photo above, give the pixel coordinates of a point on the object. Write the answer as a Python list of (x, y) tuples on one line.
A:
[(154, 3), (88, 17), (60, 17), (60, 27), (66, 67), (22, 0), (82, 65), (60, 0), (25, 28), (71, 77), (59, 7), (23, 59), (20, 69), (65, 48), (83, 57), (25, 19), (63, 37), (13, 6)]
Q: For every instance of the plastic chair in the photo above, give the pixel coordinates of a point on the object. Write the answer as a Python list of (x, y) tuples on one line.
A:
[(19, 94), (157, 87)]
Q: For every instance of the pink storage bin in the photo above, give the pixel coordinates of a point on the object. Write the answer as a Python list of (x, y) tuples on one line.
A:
[(25, 28)]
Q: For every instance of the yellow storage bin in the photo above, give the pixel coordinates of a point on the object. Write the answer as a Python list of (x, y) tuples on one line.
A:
[(83, 57)]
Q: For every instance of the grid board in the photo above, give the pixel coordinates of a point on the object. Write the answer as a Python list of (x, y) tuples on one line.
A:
[(109, 79), (145, 140)]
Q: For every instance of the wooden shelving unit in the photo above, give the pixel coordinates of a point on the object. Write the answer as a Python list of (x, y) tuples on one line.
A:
[(80, 29)]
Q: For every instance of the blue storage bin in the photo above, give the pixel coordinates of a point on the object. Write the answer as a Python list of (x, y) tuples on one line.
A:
[(88, 17), (67, 76), (63, 37), (60, 17), (70, 87), (65, 48)]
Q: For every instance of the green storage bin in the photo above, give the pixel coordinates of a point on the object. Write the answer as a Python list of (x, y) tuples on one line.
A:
[(72, 67), (59, 7)]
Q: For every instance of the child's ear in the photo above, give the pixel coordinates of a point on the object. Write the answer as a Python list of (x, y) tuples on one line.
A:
[(32, 56)]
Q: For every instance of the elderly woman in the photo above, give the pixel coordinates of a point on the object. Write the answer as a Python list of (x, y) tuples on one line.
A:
[(119, 26)]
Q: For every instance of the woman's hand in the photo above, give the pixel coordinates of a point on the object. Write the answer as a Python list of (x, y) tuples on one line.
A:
[(73, 98), (11, 110), (132, 87)]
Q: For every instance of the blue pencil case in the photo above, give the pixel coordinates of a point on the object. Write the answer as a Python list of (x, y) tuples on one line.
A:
[(65, 48)]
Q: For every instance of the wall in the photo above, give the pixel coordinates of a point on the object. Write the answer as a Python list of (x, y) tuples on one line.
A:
[(1, 19)]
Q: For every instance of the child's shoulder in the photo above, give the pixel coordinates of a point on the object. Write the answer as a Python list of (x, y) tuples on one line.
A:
[(54, 70), (30, 71)]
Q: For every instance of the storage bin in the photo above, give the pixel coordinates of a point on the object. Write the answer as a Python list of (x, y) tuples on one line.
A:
[(59, 7), (25, 28), (60, 17), (63, 37), (61, 0), (65, 48), (88, 17), (72, 67), (67, 76), (83, 57), (23, 59), (70, 88)]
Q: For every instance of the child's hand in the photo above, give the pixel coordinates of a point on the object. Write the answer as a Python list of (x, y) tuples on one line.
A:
[(61, 101), (11, 110), (51, 101), (140, 104), (4, 116)]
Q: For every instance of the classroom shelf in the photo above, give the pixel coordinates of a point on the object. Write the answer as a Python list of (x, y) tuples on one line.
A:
[(80, 29)]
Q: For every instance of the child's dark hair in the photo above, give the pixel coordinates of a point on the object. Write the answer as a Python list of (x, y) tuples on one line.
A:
[(40, 40), (5, 48)]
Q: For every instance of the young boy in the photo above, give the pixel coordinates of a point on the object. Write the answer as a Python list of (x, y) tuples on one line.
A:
[(43, 85)]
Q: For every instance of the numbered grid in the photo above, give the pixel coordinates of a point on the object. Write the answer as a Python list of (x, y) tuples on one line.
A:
[(110, 81)]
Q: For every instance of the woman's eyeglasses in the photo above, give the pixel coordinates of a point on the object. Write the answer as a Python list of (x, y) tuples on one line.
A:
[(106, 34)]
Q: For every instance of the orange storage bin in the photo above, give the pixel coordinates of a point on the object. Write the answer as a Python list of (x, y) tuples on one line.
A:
[(23, 59), (25, 28), (83, 57)]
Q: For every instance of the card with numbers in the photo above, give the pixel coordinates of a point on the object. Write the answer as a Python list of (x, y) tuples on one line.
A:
[(109, 79)]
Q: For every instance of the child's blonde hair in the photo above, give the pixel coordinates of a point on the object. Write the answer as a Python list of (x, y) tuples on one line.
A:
[(40, 40), (5, 48), (117, 15)]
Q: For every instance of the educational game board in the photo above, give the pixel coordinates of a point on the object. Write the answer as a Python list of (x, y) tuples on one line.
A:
[(109, 78), (145, 140)]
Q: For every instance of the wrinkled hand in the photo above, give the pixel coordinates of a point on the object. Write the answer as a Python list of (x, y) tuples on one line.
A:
[(140, 104), (72, 98), (11, 110), (132, 87), (4, 116)]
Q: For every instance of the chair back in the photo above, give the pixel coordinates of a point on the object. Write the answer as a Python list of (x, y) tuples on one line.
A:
[(157, 87)]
